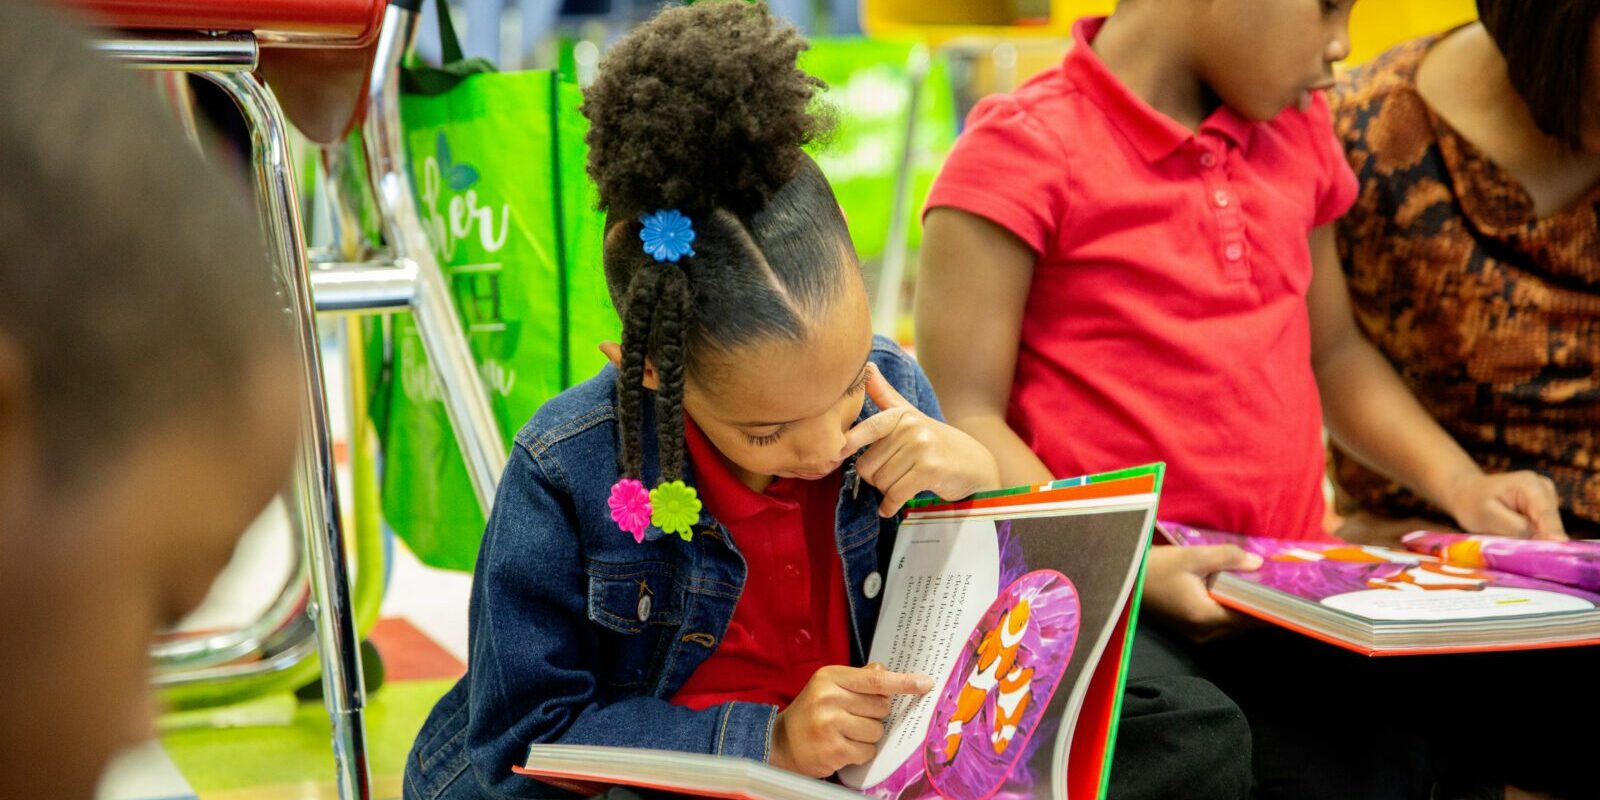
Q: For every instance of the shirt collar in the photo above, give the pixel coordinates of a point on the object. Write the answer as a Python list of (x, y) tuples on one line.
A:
[(727, 497), (1153, 134)]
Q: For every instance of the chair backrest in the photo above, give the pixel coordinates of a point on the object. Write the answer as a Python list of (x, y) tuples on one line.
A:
[(334, 23)]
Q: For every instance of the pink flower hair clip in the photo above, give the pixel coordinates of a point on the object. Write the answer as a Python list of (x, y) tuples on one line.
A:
[(630, 507)]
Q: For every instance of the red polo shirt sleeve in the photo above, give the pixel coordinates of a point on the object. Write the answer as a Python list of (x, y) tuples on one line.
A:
[(1008, 168), (1338, 187)]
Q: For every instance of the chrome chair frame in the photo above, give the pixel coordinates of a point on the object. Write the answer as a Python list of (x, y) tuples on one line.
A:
[(362, 278)]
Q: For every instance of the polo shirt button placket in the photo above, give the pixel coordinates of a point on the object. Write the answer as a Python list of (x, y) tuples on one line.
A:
[(1230, 225)]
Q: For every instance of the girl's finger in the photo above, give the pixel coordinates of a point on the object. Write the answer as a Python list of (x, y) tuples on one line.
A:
[(873, 429), (871, 463)]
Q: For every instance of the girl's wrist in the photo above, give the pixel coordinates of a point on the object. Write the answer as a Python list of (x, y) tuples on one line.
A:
[(778, 756), (1447, 491)]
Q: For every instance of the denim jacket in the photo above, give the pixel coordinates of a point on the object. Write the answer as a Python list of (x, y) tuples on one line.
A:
[(579, 635)]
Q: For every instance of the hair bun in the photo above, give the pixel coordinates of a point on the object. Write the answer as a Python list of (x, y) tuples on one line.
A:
[(701, 107)]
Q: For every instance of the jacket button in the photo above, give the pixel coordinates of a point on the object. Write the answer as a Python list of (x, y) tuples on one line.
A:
[(872, 585), (644, 608)]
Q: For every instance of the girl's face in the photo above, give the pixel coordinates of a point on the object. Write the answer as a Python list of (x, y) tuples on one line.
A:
[(781, 408), (1263, 56)]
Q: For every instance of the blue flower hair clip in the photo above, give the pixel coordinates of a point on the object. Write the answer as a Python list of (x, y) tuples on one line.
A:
[(667, 235)]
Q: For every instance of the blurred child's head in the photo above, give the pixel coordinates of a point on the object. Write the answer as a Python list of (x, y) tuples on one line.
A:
[(147, 396), (763, 333), (1263, 56), (1552, 52)]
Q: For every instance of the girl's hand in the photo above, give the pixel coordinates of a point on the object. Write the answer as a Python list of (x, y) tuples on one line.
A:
[(1176, 588), (837, 719), (1523, 504), (911, 453)]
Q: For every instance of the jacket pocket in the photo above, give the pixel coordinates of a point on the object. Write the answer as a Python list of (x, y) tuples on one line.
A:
[(635, 606)]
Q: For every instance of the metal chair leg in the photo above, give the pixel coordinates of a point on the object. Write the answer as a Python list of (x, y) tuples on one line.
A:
[(331, 608), (443, 336), (892, 279)]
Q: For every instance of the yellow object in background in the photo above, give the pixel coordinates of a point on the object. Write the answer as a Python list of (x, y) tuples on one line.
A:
[(1375, 25), (938, 21)]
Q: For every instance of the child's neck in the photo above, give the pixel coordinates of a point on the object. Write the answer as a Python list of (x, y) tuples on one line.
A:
[(757, 483), (1146, 46)]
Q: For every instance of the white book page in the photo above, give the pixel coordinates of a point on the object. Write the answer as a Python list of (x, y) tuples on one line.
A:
[(1388, 605), (943, 575), (690, 773)]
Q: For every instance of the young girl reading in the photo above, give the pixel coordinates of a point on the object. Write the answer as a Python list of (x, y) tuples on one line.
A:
[(684, 551)]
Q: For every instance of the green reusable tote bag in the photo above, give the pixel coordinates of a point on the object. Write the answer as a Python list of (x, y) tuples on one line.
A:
[(869, 86), (497, 162)]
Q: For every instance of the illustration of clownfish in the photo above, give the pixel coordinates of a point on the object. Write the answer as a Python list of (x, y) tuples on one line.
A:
[(1345, 554), (1430, 577), (996, 669)]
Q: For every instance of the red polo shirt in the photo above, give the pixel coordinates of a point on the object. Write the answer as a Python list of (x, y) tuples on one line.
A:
[(793, 617), (1167, 317)]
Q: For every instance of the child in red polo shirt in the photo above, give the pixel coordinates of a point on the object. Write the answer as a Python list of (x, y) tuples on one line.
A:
[(1118, 269)]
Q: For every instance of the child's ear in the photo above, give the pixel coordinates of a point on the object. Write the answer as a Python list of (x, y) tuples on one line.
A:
[(613, 353)]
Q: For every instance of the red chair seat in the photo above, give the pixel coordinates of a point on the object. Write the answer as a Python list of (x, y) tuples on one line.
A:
[(315, 54), (347, 23)]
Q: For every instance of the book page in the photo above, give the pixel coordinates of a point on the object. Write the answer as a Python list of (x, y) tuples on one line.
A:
[(1447, 604), (928, 625), (941, 579), (588, 769)]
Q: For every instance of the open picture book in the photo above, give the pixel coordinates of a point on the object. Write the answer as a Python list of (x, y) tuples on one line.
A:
[(1020, 604), (1441, 593)]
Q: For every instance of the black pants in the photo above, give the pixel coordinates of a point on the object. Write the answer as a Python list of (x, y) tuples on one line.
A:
[(1179, 737), (1322, 720), (1327, 723), (1520, 718)]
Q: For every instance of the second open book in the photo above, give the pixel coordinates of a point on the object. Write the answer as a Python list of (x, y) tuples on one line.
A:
[(1020, 605), (1440, 593)]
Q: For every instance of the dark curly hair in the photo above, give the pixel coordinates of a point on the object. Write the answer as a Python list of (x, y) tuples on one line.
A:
[(703, 109)]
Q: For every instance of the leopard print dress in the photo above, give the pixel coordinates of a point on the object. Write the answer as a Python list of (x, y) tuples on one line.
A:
[(1490, 315)]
